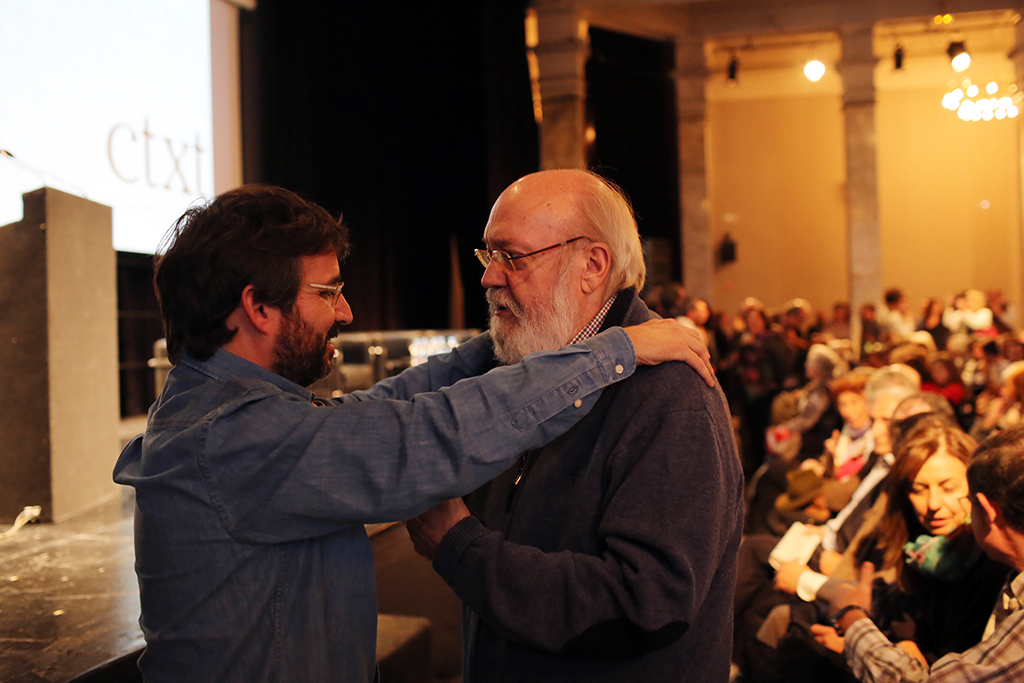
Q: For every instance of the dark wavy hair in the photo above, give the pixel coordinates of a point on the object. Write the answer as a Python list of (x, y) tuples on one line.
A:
[(997, 470), (254, 234)]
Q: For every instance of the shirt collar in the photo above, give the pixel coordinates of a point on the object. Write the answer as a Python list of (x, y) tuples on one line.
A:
[(591, 328), (224, 365), (1017, 587)]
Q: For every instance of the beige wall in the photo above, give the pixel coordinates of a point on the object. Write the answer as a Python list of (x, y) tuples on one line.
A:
[(776, 161), (776, 186), (934, 172)]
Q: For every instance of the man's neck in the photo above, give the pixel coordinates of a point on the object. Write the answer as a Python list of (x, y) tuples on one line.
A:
[(1016, 540), (593, 324), (247, 342)]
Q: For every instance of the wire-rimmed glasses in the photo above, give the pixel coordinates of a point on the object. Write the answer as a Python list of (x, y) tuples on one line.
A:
[(507, 260)]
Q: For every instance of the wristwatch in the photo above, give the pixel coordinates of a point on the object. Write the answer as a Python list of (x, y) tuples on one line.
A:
[(837, 617)]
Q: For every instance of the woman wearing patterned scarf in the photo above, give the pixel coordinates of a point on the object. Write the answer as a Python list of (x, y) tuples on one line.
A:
[(944, 585)]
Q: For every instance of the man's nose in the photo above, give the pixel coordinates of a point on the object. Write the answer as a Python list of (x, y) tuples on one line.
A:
[(494, 276), (342, 311)]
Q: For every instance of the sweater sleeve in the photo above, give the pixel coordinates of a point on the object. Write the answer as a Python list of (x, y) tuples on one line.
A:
[(671, 515)]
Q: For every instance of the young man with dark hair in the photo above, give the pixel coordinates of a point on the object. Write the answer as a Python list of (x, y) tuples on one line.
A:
[(251, 495)]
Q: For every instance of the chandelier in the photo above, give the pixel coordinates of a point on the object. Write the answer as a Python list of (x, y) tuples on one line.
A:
[(996, 103)]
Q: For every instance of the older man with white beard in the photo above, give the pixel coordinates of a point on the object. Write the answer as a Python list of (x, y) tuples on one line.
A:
[(609, 554)]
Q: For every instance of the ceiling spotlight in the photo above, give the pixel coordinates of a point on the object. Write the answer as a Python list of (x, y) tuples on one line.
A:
[(897, 58), (959, 58), (814, 70), (734, 67)]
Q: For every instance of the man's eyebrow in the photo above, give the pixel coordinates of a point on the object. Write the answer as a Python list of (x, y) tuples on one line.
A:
[(505, 245)]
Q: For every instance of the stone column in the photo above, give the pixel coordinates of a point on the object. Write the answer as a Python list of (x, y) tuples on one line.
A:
[(58, 357), (561, 58), (864, 243), (1017, 57), (691, 106)]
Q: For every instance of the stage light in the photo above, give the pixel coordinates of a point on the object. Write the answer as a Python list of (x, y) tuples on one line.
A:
[(959, 57), (734, 67), (814, 70), (897, 58)]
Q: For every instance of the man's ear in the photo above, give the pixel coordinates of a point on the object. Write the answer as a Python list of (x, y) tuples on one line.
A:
[(993, 512), (260, 316), (599, 264)]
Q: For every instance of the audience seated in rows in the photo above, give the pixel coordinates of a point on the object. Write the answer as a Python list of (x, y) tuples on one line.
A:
[(834, 485)]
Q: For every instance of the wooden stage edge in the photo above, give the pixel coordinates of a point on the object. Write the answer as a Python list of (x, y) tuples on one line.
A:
[(69, 599)]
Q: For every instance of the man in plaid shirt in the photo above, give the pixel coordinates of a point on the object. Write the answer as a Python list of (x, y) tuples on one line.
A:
[(996, 478)]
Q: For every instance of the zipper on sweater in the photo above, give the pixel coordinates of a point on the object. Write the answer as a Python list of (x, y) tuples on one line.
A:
[(514, 490)]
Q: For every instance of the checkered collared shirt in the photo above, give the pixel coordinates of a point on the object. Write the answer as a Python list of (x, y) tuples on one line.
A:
[(591, 328), (996, 659)]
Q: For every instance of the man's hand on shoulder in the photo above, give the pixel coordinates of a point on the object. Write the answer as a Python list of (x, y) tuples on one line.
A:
[(428, 529), (660, 340)]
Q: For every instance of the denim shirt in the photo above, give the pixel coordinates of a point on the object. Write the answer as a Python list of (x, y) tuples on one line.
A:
[(252, 558)]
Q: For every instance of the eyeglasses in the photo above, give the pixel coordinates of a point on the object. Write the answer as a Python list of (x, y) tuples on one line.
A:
[(329, 292), (507, 260)]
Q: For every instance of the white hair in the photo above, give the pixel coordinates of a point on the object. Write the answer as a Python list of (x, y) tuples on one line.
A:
[(608, 217), (893, 380), (826, 361)]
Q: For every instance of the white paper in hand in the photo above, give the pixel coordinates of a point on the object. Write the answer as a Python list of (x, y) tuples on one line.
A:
[(797, 545)]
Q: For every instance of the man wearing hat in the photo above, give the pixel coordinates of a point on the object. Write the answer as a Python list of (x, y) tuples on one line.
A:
[(804, 501)]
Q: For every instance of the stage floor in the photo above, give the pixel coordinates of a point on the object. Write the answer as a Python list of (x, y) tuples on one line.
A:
[(69, 599)]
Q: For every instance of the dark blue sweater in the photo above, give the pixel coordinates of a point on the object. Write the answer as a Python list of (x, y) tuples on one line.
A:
[(614, 557)]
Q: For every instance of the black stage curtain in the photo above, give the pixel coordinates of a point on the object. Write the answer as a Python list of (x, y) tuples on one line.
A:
[(631, 104), (408, 118)]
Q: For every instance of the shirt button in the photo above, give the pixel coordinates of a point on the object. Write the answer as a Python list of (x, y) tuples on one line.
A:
[(619, 369), (578, 403)]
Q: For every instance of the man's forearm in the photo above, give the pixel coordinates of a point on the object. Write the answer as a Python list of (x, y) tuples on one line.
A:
[(873, 658)]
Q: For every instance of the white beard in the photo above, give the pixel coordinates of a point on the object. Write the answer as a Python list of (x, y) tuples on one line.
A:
[(543, 327)]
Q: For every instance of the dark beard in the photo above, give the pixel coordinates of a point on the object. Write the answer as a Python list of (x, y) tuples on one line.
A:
[(299, 353)]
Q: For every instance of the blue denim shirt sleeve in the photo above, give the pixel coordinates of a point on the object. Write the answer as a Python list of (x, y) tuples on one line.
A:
[(277, 468)]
